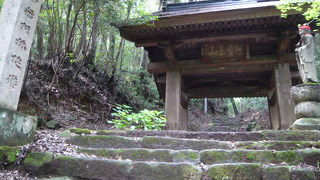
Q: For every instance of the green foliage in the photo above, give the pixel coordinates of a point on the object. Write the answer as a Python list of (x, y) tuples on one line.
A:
[(310, 9), (125, 118), (138, 89), (246, 104)]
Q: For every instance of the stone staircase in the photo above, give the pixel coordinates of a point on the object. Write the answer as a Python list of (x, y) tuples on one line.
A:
[(179, 155), (148, 155)]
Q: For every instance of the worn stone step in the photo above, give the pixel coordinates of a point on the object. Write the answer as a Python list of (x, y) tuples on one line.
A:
[(255, 171), (284, 135), (108, 169), (178, 143), (292, 157), (226, 123), (224, 128), (146, 142), (140, 154)]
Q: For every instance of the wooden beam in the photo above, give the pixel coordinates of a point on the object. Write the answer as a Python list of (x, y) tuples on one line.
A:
[(162, 67), (211, 38), (223, 92), (170, 56), (284, 43)]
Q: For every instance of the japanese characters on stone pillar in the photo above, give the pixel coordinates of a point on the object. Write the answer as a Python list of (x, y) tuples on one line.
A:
[(18, 21)]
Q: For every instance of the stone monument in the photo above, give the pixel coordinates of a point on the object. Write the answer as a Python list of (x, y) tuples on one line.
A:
[(306, 55), (306, 96), (18, 21)]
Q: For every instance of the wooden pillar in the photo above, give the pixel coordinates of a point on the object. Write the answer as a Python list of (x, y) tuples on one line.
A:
[(284, 106), (274, 110), (176, 112)]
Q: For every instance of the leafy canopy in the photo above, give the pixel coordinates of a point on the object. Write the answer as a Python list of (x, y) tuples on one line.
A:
[(310, 9)]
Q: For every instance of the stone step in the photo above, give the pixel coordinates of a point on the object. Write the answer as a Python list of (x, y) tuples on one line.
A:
[(254, 171), (266, 135), (227, 123), (178, 143), (140, 154), (292, 157), (85, 168), (208, 157), (46, 165), (224, 128)]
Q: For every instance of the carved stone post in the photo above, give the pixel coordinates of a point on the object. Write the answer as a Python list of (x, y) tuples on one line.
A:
[(17, 26)]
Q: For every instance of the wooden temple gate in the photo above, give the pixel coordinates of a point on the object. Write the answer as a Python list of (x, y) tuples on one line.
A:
[(242, 50)]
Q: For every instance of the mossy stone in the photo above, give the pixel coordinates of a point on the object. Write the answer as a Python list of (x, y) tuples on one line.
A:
[(85, 168), (236, 171), (35, 160), (16, 129), (306, 124), (277, 145), (105, 142), (8, 155), (285, 135), (310, 156), (132, 154), (302, 174), (80, 131), (165, 171), (186, 156), (65, 134), (215, 156), (177, 144), (276, 173), (291, 157)]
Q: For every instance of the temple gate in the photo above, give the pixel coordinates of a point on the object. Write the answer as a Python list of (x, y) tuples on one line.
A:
[(219, 50)]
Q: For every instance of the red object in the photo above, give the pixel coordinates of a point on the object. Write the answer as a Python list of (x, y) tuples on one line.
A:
[(305, 27)]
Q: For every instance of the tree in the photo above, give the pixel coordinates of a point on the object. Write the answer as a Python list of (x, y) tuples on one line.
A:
[(311, 10)]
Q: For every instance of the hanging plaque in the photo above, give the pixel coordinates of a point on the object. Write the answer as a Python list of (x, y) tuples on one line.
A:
[(224, 51)]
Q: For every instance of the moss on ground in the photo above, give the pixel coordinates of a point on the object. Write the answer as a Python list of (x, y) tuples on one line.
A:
[(81, 131), (8, 155), (290, 157)]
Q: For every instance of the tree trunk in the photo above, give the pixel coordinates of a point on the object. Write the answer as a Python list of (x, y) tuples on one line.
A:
[(82, 46), (95, 31), (67, 31), (40, 41), (235, 109)]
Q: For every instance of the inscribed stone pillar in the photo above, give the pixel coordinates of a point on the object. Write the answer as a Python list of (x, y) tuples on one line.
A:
[(283, 84), (176, 114), (17, 25)]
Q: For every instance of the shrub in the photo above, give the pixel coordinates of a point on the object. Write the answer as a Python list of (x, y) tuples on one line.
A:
[(125, 118)]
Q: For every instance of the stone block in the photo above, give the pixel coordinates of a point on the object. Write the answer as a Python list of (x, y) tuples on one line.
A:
[(303, 174), (305, 92), (276, 173), (306, 124), (235, 171), (16, 128), (307, 109)]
